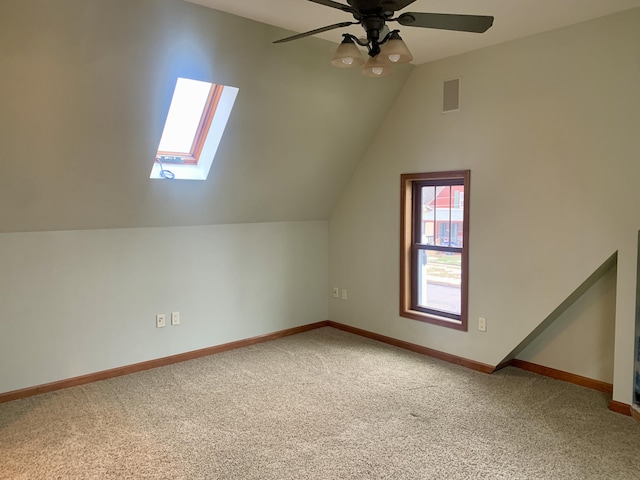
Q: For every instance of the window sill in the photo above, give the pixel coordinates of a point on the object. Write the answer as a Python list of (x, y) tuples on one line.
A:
[(181, 172), (435, 319)]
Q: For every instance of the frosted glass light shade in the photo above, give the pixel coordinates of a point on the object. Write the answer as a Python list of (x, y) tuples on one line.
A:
[(396, 50), (347, 55), (378, 66)]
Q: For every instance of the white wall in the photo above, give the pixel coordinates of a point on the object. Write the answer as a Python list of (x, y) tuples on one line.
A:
[(77, 302), (549, 129)]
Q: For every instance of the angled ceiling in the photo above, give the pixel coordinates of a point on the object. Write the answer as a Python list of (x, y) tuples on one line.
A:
[(513, 19), (86, 85), (85, 89)]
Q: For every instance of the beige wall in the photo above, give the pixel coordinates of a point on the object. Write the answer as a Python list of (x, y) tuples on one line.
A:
[(581, 340), (549, 128)]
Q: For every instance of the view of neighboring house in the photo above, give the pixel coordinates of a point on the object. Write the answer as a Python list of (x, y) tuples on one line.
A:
[(442, 215)]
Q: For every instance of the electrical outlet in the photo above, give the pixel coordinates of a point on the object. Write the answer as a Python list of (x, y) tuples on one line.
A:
[(482, 324), (160, 322), (344, 293), (336, 292), (175, 318)]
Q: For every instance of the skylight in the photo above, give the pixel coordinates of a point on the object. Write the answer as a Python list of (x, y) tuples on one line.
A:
[(193, 129), (188, 104)]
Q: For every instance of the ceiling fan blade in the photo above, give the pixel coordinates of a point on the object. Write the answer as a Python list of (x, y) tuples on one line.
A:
[(317, 30), (395, 5), (446, 21), (339, 6)]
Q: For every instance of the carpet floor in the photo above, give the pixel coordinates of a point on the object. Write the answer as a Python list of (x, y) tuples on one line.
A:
[(323, 404)]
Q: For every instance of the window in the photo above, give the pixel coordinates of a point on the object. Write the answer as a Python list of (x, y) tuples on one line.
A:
[(434, 247), (193, 129)]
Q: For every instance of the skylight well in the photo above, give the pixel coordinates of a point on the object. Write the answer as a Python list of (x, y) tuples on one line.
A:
[(193, 129)]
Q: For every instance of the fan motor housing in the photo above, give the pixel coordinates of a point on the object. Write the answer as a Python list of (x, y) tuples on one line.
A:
[(373, 7)]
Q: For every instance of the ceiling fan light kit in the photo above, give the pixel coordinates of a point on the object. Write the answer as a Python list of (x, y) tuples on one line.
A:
[(378, 66), (384, 52), (347, 54), (396, 50), (393, 50)]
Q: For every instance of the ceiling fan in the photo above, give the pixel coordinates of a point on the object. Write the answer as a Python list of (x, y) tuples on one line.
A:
[(374, 15)]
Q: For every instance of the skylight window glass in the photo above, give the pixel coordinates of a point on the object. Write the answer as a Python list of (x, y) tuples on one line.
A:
[(197, 117), (186, 111)]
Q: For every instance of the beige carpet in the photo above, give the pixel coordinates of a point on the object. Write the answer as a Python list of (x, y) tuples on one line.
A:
[(320, 405)]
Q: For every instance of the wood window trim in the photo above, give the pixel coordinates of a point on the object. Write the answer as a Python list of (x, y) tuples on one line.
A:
[(208, 112), (407, 226)]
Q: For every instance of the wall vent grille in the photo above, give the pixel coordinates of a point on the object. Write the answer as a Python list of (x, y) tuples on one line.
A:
[(451, 96)]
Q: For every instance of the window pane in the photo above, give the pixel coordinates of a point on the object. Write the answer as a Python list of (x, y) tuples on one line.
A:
[(457, 217), (428, 215), (439, 275), (443, 215), (189, 99)]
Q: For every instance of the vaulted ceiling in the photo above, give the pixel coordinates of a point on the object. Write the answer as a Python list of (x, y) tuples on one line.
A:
[(85, 89), (513, 19), (86, 86)]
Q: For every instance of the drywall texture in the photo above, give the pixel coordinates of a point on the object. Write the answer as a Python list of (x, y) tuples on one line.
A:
[(581, 340), (548, 127), (85, 89), (78, 302)]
